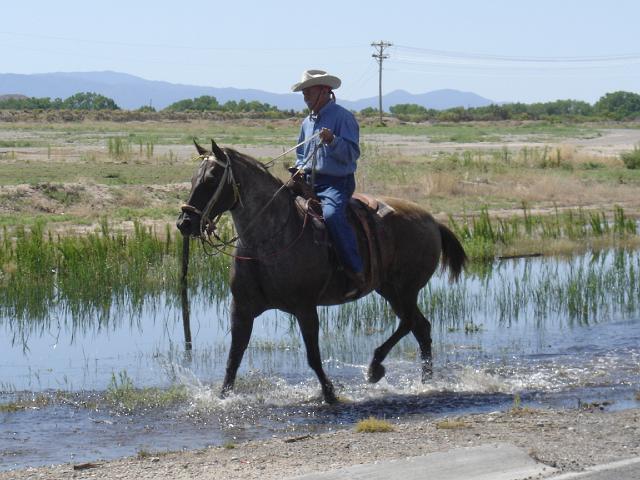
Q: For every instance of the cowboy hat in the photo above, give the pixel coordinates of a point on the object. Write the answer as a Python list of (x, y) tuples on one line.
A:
[(311, 78)]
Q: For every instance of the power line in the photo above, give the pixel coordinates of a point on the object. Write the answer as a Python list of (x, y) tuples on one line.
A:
[(174, 46), (440, 70), (356, 85), (425, 55)]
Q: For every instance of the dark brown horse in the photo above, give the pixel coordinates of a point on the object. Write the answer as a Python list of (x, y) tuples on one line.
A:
[(278, 264)]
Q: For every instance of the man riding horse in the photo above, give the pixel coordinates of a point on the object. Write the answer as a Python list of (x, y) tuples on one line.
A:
[(276, 260), (330, 166)]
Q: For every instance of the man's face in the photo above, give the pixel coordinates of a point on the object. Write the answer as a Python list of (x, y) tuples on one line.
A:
[(312, 95)]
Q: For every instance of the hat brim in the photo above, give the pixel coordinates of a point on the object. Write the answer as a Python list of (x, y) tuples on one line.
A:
[(326, 80)]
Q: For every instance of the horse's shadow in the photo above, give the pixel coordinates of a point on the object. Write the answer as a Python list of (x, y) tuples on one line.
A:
[(399, 405), (314, 415)]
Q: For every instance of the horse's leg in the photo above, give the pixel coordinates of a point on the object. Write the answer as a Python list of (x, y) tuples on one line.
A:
[(422, 332), (376, 369), (405, 308), (310, 327), (241, 327)]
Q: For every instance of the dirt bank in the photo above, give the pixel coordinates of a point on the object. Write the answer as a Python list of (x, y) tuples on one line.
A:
[(565, 439)]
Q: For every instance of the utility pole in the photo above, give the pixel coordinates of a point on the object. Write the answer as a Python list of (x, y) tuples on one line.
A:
[(380, 56)]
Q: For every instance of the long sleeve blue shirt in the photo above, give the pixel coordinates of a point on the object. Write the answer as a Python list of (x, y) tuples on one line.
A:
[(338, 159)]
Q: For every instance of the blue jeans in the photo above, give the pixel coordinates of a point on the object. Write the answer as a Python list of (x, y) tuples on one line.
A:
[(334, 194)]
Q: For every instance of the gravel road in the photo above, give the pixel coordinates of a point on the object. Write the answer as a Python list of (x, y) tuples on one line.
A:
[(569, 440)]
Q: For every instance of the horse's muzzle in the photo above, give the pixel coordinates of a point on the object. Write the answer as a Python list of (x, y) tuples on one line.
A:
[(188, 225), (189, 220)]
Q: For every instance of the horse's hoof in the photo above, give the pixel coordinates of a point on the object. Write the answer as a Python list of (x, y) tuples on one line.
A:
[(330, 398), (225, 392), (376, 372), (427, 373)]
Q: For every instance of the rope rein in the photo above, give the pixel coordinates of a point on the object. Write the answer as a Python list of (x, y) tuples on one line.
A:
[(207, 227), (272, 162)]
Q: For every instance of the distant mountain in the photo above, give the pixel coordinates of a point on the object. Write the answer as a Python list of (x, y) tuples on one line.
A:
[(437, 99), (13, 96), (131, 92)]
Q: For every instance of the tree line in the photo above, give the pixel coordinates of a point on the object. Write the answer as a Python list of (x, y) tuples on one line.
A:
[(94, 101), (615, 106), (619, 105), (207, 103), (79, 101)]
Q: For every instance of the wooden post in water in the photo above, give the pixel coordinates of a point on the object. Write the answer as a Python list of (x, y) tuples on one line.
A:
[(186, 323)]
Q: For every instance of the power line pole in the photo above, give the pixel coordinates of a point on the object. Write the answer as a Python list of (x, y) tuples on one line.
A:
[(380, 56)]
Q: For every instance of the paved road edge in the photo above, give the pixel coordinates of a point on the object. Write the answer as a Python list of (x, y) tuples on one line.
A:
[(598, 468)]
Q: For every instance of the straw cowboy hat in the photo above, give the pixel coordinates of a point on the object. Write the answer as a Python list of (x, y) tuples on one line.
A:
[(311, 78)]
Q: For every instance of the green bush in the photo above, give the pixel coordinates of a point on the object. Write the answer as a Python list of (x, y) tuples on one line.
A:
[(632, 159), (619, 105)]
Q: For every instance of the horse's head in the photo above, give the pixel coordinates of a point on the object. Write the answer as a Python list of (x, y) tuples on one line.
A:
[(213, 191)]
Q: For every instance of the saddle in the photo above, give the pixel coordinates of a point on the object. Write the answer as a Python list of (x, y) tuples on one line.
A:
[(365, 214)]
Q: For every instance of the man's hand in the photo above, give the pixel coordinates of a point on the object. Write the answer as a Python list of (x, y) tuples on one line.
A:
[(327, 136), (296, 173)]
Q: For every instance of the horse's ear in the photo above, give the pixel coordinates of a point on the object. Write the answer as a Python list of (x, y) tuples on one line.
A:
[(217, 152), (201, 150)]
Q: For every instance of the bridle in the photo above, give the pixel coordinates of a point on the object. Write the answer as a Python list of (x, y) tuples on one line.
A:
[(207, 226)]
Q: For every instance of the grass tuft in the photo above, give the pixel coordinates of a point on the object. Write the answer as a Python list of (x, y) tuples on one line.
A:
[(451, 424), (373, 425), (36, 402), (12, 407), (123, 395), (518, 409)]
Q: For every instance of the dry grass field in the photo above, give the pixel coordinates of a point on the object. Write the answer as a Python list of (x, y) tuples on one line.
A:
[(72, 174)]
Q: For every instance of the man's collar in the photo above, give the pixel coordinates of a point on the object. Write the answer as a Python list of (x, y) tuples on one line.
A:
[(327, 105)]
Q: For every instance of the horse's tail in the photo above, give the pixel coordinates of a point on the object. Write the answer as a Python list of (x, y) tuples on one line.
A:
[(453, 255)]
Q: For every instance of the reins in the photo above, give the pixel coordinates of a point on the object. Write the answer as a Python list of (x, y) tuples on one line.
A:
[(272, 162), (207, 227)]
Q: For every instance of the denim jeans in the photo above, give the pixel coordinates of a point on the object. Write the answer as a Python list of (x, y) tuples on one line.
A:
[(334, 194)]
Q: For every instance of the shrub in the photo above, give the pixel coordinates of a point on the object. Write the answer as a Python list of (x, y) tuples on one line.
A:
[(632, 159)]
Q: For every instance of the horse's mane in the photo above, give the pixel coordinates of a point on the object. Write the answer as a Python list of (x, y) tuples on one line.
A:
[(252, 162)]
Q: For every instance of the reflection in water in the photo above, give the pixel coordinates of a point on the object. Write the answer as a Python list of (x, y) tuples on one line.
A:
[(554, 331)]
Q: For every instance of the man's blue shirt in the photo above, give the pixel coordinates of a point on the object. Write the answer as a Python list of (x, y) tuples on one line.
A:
[(341, 157)]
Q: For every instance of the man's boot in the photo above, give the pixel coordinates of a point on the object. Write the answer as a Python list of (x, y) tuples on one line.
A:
[(357, 283)]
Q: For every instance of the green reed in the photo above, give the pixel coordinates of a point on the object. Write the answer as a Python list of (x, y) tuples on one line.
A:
[(146, 145), (119, 148), (91, 274), (485, 237), (96, 277), (589, 289), (123, 395), (585, 289)]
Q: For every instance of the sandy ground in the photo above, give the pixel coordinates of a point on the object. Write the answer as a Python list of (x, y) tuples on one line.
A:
[(611, 142), (569, 440), (542, 193)]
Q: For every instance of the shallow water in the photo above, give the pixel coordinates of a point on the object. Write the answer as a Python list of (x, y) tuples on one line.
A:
[(552, 332)]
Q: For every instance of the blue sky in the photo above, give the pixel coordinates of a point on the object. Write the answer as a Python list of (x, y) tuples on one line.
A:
[(529, 50)]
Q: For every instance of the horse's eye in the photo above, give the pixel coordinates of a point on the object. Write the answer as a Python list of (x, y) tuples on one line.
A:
[(209, 175)]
